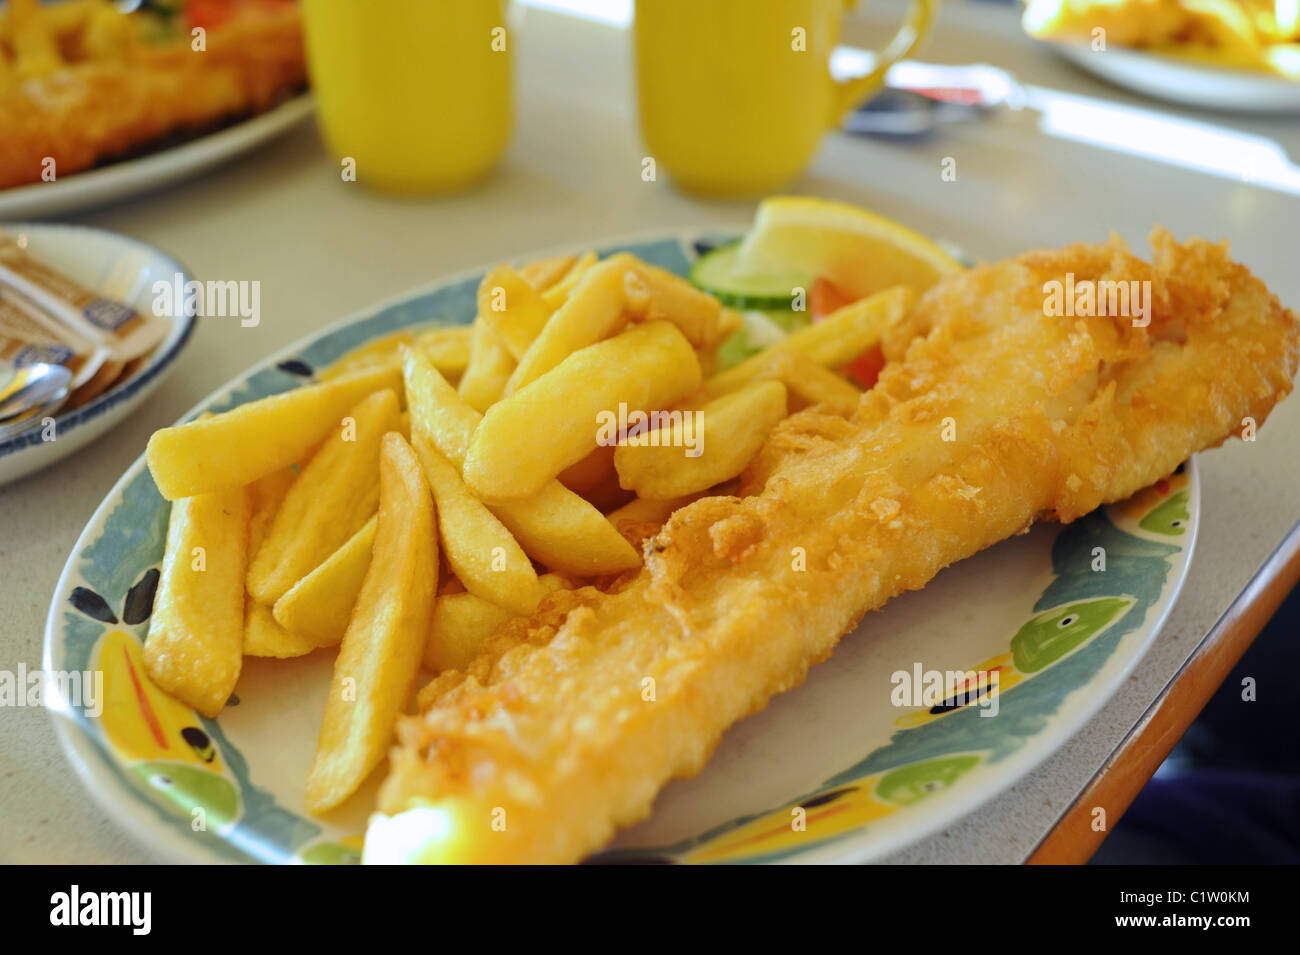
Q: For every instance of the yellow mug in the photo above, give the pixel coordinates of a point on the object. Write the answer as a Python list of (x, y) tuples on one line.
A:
[(416, 93), (736, 94)]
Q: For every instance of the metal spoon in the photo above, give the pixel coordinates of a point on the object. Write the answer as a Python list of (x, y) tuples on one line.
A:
[(29, 393)]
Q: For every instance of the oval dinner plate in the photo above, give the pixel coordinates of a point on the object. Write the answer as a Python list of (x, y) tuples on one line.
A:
[(1054, 620), (1182, 81), (131, 177), (122, 268)]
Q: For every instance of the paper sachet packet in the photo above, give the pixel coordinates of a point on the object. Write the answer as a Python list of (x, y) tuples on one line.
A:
[(123, 331), (27, 337)]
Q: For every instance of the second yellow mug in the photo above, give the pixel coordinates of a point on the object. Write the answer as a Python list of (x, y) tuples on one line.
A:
[(736, 94)]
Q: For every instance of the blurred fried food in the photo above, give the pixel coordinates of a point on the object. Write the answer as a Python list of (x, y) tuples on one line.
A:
[(82, 83), (1249, 34)]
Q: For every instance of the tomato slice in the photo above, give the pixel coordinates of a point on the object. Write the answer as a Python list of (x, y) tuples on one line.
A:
[(865, 369), (825, 297)]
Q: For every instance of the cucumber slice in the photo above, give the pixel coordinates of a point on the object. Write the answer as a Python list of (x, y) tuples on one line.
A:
[(734, 350), (788, 320), (761, 329), (717, 272)]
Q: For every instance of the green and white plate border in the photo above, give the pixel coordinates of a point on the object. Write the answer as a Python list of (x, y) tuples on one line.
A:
[(833, 750)]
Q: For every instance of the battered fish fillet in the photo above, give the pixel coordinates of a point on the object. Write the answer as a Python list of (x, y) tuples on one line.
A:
[(556, 733), (104, 109)]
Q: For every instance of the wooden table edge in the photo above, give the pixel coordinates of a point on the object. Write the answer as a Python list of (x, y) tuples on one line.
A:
[(1072, 840)]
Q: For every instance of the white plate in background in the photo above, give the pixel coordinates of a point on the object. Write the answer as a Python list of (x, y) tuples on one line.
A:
[(1182, 81), (131, 177), (90, 256)]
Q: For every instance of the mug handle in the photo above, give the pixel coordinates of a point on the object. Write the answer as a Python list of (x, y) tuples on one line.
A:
[(850, 93)]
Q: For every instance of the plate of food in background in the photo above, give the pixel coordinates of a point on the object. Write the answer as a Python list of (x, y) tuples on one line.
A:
[(472, 576), (98, 105), (1216, 54), (83, 299)]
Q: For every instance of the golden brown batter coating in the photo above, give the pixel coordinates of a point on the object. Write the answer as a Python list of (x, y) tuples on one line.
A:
[(88, 111)]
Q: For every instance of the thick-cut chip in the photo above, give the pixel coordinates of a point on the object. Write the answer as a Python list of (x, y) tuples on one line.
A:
[(335, 495), (642, 517), (447, 346), (557, 527), (196, 631), (239, 446), (527, 439), (595, 479), (264, 637), (608, 494), (593, 311), (647, 510), (380, 657), (557, 293), (318, 607), (833, 342), (266, 494), (547, 273), (809, 383), (512, 308), (462, 622), (490, 365), (591, 471), (563, 532), (437, 411), (727, 433), (609, 295), (482, 553), (376, 353), (659, 295)]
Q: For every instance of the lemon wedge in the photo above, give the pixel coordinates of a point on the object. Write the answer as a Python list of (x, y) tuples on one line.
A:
[(859, 251)]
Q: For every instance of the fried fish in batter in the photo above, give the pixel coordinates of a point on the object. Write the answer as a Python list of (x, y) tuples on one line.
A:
[(78, 113), (990, 414)]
